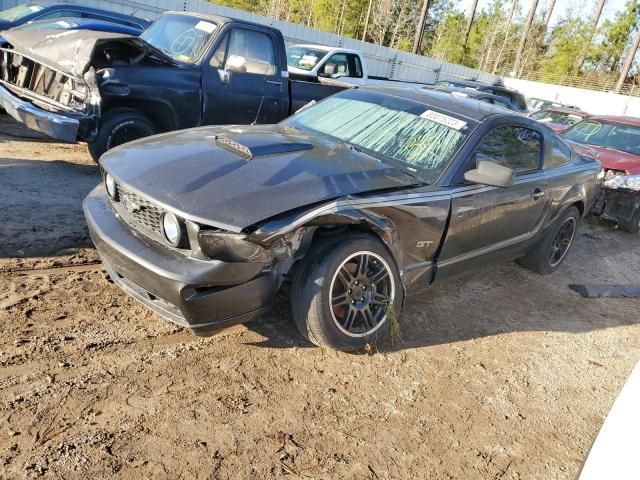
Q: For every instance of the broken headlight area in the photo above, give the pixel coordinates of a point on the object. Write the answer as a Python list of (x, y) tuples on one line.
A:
[(625, 182), (231, 248)]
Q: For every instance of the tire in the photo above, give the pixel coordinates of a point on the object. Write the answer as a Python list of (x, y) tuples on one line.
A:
[(544, 258), (119, 126), (633, 225), (362, 315)]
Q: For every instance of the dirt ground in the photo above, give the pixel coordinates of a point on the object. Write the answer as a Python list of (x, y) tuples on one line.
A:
[(502, 375)]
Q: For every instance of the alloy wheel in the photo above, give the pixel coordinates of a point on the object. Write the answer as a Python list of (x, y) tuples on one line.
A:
[(562, 241), (362, 291)]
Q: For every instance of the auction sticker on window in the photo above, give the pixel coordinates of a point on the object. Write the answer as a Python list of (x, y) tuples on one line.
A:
[(443, 119), (205, 26)]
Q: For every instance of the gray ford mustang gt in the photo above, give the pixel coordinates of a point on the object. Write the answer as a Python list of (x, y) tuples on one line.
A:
[(349, 206)]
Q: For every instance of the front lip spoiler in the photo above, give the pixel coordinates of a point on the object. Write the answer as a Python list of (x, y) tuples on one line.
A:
[(57, 126)]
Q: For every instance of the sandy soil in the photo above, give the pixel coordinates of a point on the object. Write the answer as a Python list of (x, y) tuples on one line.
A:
[(502, 375)]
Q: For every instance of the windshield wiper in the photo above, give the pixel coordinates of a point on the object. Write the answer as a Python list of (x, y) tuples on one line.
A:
[(409, 171)]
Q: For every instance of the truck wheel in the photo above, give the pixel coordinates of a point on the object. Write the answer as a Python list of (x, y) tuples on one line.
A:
[(633, 225), (347, 293), (550, 252), (119, 126)]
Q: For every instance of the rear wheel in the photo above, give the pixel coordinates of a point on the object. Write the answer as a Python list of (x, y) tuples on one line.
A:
[(550, 252), (119, 126), (347, 293)]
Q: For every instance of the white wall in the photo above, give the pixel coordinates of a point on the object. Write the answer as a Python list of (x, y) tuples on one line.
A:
[(591, 101)]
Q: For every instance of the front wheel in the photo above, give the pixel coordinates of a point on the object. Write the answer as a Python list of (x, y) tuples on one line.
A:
[(550, 252), (347, 294), (119, 126)]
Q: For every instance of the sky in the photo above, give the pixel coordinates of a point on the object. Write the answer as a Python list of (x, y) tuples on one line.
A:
[(610, 8)]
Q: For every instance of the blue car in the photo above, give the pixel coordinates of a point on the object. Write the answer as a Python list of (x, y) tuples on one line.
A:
[(31, 12), (80, 24)]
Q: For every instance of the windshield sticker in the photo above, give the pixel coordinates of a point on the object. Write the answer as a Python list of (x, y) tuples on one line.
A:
[(205, 26), (443, 119)]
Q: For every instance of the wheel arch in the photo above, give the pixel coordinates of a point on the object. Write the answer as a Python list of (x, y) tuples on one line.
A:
[(160, 112)]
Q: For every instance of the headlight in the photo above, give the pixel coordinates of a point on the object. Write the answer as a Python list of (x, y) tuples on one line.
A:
[(231, 247), (629, 182), (110, 185), (172, 229)]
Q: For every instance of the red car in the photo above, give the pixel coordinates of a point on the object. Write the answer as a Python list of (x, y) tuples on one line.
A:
[(559, 119), (615, 142)]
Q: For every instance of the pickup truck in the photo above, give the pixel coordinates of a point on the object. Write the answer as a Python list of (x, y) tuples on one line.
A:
[(185, 70), (311, 62)]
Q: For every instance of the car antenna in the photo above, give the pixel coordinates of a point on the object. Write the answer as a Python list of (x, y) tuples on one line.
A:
[(255, 120)]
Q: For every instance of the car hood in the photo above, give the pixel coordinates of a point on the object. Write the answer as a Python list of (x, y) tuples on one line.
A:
[(235, 177), (612, 159), (72, 51)]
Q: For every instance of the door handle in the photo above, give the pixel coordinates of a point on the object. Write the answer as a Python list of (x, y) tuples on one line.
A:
[(537, 193), (273, 82)]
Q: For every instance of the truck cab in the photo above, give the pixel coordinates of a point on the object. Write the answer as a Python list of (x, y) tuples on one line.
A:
[(319, 61)]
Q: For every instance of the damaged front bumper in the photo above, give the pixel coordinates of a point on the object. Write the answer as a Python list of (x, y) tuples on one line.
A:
[(60, 127), (185, 290), (618, 205)]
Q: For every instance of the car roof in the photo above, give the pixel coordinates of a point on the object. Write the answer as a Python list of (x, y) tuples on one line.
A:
[(108, 13), (470, 92), (634, 121), (567, 110), (325, 48), (463, 106)]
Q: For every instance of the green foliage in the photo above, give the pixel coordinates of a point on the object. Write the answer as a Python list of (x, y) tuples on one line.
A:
[(565, 44), (549, 54)]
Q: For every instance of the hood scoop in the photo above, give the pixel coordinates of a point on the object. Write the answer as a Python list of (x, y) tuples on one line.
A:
[(260, 149)]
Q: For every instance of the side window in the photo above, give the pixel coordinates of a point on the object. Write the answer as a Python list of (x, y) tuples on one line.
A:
[(60, 14), (484, 99), (256, 48), (560, 154), (337, 66), (355, 67), (217, 60), (515, 147)]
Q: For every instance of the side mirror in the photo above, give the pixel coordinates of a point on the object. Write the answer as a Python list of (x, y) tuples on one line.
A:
[(488, 173), (236, 63)]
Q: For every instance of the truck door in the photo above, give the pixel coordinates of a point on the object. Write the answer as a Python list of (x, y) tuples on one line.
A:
[(241, 80), (345, 67), (490, 224)]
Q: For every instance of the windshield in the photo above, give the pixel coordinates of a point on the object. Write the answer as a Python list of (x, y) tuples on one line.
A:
[(182, 37), (304, 58), (66, 24), (395, 130), (21, 11), (625, 138), (556, 117)]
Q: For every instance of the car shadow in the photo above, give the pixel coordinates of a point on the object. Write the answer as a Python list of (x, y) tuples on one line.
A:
[(503, 300)]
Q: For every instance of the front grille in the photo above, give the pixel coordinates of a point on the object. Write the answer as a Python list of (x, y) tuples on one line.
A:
[(140, 213), (29, 77)]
